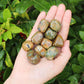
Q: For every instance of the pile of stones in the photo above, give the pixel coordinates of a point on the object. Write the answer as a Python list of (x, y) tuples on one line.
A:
[(45, 42)]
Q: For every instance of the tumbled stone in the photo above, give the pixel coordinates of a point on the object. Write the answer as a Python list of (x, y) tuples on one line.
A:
[(33, 57), (43, 25), (40, 50), (55, 25), (58, 41), (30, 54), (46, 43), (27, 45), (37, 38), (50, 34), (51, 53)]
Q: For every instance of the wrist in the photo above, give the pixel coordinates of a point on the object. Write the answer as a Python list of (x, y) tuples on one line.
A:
[(19, 80)]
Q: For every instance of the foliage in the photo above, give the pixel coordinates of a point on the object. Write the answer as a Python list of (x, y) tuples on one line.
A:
[(17, 18)]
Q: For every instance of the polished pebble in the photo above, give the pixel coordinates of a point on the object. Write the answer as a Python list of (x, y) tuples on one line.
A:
[(46, 43), (55, 25), (51, 53), (43, 25), (37, 38), (27, 45), (30, 54), (40, 50), (33, 57), (50, 34), (58, 41)]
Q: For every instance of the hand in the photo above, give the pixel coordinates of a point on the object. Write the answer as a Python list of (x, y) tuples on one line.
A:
[(26, 73)]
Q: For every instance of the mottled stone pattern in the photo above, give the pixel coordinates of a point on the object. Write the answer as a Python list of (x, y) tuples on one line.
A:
[(35, 59), (51, 53), (30, 54), (46, 41), (27, 45), (37, 38), (58, 41), (40, 50), (43, 25), (50, 34), (55, 25)]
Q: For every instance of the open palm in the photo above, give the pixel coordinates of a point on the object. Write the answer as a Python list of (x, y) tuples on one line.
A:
[(45, 70)]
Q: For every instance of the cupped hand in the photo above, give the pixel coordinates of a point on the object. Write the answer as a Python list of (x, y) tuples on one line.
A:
[(26, 73)]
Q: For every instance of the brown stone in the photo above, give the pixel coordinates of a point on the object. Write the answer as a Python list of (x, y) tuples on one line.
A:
[(55, 25), (33, 57), (40, 50), (43, 25), (30, 54), (27, 45), (46, 43), (58, 41), (37, 38)]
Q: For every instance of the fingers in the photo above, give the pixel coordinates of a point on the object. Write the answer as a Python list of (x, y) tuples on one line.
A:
[(49, 17), (65, 24), (60, 12), (64, 57), (22, 54), (51, 13), (41, 16)]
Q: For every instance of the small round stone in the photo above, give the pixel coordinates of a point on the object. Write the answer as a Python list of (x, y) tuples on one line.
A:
[(50, 34), (43, 25), (27, 45), (35, 59), (51, 53), (55, 25), (59, 42), (30, 54), (37, 38), (40, 50), (46, 43)]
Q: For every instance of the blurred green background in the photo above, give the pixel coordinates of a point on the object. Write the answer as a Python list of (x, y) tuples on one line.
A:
[(17, 18)]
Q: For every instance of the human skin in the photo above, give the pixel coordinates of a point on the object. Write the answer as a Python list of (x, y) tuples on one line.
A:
[(26, 73)]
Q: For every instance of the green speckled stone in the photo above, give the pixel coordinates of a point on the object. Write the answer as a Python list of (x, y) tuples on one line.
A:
[(50, 34), (43, 25), (51, 53), (55, 25)]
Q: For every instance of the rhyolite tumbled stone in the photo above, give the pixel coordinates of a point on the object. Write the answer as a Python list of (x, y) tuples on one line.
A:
[(33, 57), (58, 41), (55, 25), (27, 45), (46, 43), (30, 54), (43, 25), (37, 38), (51, 53), (50, 34), (40, 50)]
